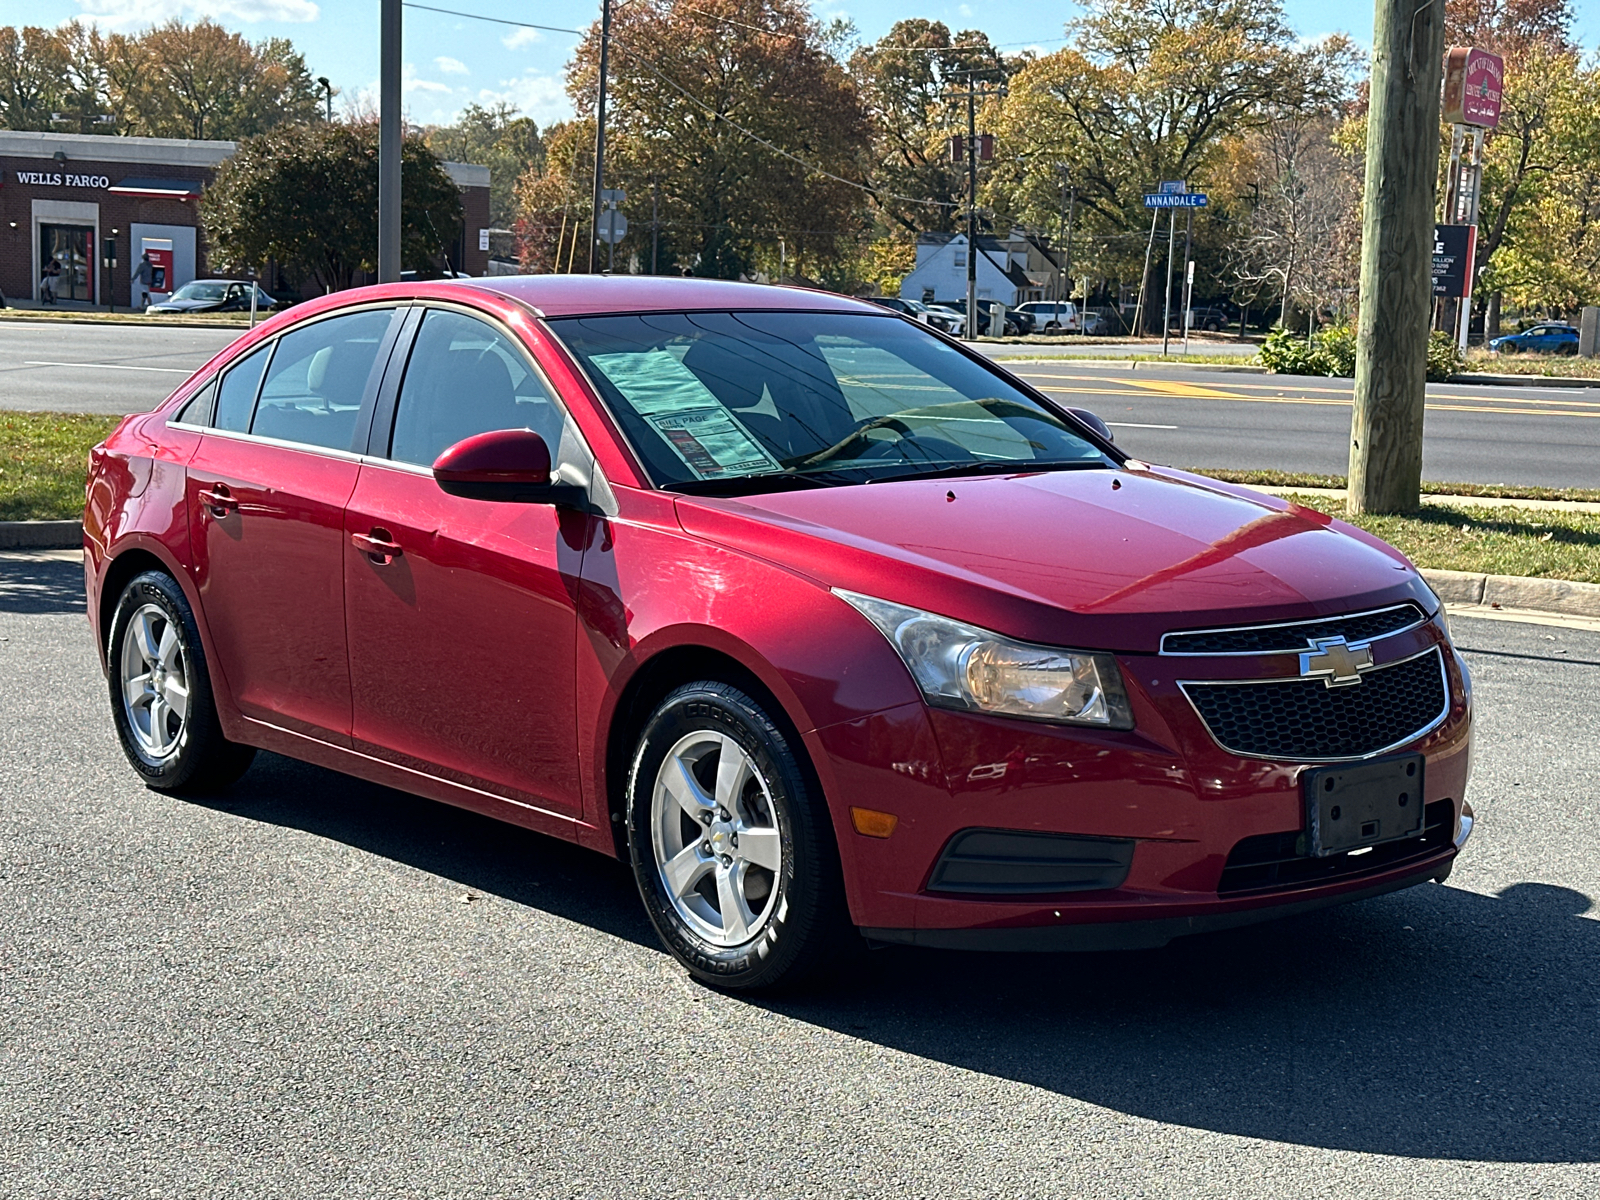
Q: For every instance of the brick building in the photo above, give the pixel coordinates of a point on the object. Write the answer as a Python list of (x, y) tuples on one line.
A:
[(70, 195)]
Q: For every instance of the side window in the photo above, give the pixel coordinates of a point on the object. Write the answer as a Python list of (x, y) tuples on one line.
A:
[(196, 409), (313, 389), (464, 378), (236, 398)]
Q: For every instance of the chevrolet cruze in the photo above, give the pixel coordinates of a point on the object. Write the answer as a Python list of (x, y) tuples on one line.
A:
[(831, 628)]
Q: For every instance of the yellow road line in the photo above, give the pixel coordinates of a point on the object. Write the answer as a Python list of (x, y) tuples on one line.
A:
[(1334, 391)]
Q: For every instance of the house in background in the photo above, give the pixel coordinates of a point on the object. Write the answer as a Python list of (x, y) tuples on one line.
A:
[(1013, 271)]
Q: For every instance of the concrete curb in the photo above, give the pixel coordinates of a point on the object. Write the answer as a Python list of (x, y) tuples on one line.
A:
[(1551, 381), (41, 535), (1562, 596)]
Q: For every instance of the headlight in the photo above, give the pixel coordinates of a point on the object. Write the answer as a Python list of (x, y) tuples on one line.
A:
[(964, 667)]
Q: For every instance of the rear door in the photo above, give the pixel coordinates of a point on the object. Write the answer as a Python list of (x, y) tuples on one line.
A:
[(267, 488), (463, 630)]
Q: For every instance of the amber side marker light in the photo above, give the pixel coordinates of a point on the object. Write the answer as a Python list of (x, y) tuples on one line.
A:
[(871, 823)]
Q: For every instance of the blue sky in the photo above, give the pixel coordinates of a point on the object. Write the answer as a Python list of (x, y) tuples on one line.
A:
[(450, 62)]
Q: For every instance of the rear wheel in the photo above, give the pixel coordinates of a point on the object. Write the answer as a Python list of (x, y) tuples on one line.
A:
[(161, 692), (731, 847)]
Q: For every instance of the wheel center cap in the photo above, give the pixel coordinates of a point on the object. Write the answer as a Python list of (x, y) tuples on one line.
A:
[(722, 838)]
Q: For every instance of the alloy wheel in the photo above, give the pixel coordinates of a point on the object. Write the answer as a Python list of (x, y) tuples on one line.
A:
[(155, 681), (716, 838)]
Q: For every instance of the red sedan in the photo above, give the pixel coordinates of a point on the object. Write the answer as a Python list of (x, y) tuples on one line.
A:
[(819, 619)]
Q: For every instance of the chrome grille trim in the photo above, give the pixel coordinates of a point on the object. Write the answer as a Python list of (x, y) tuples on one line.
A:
[(1288, 646)]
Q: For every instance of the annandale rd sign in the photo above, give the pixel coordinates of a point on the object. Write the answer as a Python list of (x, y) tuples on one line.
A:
[(1175, 199)]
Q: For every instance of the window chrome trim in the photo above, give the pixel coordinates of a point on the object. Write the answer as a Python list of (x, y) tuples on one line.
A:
[(1177, 633), (272, 442), (1444, 680)]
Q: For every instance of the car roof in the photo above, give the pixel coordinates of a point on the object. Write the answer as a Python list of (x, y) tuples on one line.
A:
[(577, 295)]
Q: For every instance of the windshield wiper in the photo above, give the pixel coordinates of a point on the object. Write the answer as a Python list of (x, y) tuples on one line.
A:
[(996, 467)]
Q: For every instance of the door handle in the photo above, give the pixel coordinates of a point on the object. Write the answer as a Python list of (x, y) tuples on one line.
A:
[(218, 499), (377, 546)]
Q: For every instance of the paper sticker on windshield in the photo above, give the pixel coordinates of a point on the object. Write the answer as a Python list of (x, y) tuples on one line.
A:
[(686, 413), (654, 381), (712, 443)]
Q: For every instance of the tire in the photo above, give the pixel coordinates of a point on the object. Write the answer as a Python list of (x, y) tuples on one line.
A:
[(155, 657), (785, 879)]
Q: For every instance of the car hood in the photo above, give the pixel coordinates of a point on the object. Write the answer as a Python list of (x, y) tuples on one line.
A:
[(186, 305), (1104, 558)]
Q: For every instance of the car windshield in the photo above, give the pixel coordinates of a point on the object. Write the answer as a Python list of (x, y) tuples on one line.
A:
[(201, 289), (748, 401)]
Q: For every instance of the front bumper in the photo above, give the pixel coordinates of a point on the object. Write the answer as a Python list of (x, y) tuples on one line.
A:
[(1166, 787)]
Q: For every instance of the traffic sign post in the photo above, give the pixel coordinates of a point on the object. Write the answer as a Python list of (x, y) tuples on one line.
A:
[(613, 225)]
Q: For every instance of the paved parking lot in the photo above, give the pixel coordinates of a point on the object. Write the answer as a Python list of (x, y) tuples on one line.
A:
[(315, 987)]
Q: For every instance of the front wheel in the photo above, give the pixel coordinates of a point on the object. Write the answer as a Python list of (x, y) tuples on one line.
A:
[(731, 846), (161, 692)]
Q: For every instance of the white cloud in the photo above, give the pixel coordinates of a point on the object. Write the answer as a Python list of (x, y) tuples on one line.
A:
[(965, 10), (451, 66), (116, 14), (518, 38), (542, 97), (410, 83)]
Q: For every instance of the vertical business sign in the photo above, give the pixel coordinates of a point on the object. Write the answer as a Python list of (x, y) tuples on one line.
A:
[(1453, 247)]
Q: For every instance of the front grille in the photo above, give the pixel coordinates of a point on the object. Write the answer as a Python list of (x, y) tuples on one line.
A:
[(1303, 720), (1002, 862), (1295, 636), (1278, 861)]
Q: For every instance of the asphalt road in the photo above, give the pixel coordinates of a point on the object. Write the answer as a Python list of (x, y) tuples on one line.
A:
[(1181, 417), (57, 366), (1473, 433), (315, 987)]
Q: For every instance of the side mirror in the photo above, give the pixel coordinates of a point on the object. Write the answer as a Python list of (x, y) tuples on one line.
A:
[(1093, 422), (503, 464)]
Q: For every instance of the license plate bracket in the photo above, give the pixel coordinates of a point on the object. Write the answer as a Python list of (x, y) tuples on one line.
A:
[(1363, 804)]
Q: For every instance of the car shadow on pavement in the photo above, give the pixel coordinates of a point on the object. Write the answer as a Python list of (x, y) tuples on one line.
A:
[(1432, 1023), (482, 855), (34, 585)]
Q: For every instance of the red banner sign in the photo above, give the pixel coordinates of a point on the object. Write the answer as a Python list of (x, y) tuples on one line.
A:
[(1473, 80)]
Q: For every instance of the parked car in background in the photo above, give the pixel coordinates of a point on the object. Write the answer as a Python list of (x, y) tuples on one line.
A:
[(954, 317), (1103, 321), (917, 311), (1212, 320), (831, 629), (1053, 316), (215, 295), (1547, 337)]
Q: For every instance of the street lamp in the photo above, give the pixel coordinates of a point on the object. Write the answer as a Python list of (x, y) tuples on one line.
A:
[(328, 88)]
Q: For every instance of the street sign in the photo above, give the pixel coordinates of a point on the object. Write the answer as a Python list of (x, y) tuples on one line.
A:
[(613, 226), (1173, 187), (1175, 199), (483, 239), (612, 197)]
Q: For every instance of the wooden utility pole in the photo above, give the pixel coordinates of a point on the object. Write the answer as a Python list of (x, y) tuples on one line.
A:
[(599, 138), (1396, 256)]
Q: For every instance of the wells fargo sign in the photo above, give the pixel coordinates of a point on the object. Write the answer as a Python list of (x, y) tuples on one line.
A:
[(1473, 80)]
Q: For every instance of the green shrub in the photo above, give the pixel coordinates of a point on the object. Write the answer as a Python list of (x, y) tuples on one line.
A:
[(1444, 357), (1333, 352), (1287, 353)]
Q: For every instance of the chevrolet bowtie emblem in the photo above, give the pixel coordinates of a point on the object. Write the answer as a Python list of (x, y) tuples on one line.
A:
[(1335, 662)]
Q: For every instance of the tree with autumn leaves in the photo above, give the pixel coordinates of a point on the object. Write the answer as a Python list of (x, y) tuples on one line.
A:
[(733, 119), (173, 80)]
